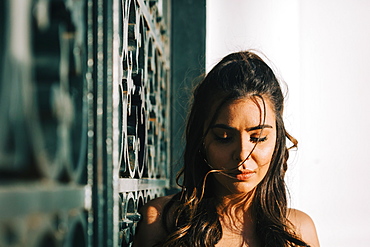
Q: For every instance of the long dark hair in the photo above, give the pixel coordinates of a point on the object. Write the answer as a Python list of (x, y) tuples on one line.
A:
[(196, 221)]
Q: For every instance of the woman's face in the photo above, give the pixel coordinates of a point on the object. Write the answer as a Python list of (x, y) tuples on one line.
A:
[(239, 127)]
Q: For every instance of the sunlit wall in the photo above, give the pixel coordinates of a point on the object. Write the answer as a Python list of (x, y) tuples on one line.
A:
[(321, 50)]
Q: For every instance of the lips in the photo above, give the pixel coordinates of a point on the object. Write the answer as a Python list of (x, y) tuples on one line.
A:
[(245, 175)]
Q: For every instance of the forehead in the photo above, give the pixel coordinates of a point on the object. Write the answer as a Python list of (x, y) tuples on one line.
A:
[(248, 110)]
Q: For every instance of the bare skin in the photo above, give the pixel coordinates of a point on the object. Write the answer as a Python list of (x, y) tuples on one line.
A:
[(238, 228), (151, 231)]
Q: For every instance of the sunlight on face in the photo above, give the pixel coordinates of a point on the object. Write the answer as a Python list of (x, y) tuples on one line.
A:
[(239, 128)]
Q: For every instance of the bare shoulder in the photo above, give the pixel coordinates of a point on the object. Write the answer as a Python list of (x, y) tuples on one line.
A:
[(150, 229), (304, 226), (152, 210)]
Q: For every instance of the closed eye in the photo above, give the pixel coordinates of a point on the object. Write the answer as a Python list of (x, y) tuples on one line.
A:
[(258, 139), (223, 139), (222, 135)]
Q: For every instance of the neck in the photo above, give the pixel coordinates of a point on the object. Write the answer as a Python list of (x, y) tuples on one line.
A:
[(236, 219), (235, 209), (234, 200)]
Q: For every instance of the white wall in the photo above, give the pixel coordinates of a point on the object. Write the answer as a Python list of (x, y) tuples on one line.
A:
[(322, 50)]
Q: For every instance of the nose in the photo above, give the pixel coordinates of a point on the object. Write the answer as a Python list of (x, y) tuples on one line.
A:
[(243, 150)]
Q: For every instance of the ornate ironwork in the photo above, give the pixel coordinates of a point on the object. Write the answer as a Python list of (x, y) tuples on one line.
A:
[(84, 113)]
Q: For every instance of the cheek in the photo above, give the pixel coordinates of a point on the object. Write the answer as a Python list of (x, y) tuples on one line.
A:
[(263, 154), (216, 156)]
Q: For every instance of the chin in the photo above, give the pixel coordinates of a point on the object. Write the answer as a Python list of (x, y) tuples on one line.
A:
[(244, 189)]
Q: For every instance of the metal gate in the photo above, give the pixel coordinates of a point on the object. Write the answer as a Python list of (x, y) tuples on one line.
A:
[(84, 119)]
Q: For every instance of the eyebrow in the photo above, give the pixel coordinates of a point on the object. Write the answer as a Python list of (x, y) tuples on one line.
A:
[(224, 126)]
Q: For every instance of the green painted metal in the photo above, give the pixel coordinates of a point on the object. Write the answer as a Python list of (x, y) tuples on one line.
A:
[(188, 32), (91, 114), (85, 136)]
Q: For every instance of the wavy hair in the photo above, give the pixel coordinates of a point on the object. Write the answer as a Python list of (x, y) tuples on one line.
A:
[(194, 220)]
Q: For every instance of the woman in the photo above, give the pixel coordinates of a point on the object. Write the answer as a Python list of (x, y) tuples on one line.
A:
[(233, 190)]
